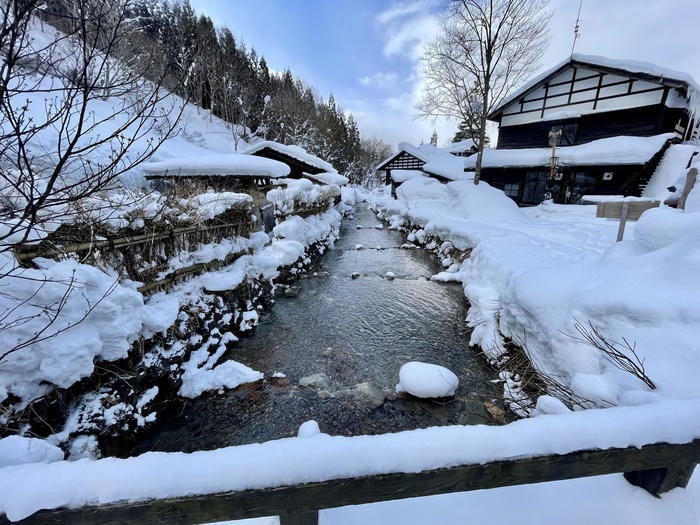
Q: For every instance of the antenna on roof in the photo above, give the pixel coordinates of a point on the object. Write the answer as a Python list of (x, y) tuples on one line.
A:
[(576, 28)]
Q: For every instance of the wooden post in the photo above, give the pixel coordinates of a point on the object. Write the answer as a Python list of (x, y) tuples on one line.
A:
[(299, 518), (623, 220), (656, 481), (689, 183)]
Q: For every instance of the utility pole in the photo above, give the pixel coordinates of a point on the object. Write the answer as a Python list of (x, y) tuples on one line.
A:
[(553, 135)]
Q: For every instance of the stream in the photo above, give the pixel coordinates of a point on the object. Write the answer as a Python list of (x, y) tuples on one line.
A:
[(344, 329)]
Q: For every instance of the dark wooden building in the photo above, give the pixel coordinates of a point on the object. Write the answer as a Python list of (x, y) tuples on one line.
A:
[(584, 101), (298, 160)]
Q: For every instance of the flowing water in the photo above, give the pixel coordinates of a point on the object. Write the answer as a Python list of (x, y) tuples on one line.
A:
[(354, 329)]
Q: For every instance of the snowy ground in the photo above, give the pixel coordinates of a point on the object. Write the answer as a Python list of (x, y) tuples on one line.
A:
[(533, 272)]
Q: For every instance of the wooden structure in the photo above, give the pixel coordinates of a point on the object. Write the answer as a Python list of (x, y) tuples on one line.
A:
[(298, 160), (656, 467), (409, 158), (590, 98), (254, 185), (625, 211), (581, 100)]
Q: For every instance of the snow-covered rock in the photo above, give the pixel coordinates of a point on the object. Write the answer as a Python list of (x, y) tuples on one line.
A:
[(308, 429), (427, 380), (17, 450)]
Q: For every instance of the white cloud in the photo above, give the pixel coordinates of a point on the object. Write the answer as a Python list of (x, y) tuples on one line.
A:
[(401, 9), (382, 80)]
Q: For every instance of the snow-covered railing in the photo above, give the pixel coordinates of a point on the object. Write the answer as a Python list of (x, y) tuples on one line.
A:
[(657, 447)]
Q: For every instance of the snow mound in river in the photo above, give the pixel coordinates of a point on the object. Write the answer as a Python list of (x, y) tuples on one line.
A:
[(426, 380)]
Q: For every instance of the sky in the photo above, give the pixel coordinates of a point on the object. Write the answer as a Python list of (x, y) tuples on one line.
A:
[(367, 52)]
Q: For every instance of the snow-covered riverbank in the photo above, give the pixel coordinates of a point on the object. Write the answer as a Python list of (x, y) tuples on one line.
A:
[(532, 273)]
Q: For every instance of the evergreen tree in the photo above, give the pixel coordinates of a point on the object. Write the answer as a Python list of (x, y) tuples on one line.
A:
[(434, 138)]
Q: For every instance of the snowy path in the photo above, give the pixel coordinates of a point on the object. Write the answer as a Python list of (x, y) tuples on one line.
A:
[(354, 331)]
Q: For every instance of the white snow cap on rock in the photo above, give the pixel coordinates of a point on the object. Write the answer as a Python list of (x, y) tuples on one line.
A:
[(17, 450), (219, 164), (426, 380), (308, 429)]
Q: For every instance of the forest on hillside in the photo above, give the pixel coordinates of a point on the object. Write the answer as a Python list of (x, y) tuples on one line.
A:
[(206, 65)]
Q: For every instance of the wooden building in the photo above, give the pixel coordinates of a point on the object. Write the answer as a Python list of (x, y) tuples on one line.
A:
[(586, 102), (299, 161), (424, 160), (219, 172)]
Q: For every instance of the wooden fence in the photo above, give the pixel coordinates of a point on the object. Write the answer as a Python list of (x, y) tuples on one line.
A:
[(657, 468)]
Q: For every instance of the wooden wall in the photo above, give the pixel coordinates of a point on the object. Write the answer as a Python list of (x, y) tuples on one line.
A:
[(645, 121)]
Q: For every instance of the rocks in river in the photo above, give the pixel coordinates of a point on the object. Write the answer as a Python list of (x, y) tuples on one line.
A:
[(355, 275), (359, 247), (389, 276), (324, 394), (426, 380), (379, 226), (293, 290), (279, 380), (317, 381), (496, 413), (368, 393), (358, 227)]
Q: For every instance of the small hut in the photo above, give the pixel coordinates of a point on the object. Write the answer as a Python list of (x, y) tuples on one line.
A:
[(299, 161), (219, 172)]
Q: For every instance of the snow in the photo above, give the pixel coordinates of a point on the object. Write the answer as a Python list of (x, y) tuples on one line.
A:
[(202, 374), (116, 316), (299, 194), (295, 152), (533, 272), (308, 429), (321, 457), (595, 199), (448, 166), (217, 164), (212, 203), (601, 500), (18, 450), (619, 150), (400, 176), (463, 146), (631, 66), (672, 166), (427, 380), (328, 178), (309, 230)]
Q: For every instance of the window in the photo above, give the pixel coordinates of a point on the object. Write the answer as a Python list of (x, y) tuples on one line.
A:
[(567, 137), (512, 190), (535, 186)]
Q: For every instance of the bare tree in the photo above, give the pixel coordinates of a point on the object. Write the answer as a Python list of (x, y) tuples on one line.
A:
[(79, 107), (102, 112), (485, 48)]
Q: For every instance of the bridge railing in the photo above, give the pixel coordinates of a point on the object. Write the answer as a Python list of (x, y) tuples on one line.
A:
[(656, 467)]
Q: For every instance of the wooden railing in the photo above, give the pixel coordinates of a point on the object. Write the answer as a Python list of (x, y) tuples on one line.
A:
[(657, 468)]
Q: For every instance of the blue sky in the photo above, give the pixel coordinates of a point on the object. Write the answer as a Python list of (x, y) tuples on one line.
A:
[(367, 52)]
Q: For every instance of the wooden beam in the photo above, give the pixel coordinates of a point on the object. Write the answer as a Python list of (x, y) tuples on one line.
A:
[(308, 498)]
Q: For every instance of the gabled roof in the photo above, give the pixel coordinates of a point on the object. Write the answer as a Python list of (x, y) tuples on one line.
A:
[(424, 152), (630, 68), (298, 154), (613, 151)]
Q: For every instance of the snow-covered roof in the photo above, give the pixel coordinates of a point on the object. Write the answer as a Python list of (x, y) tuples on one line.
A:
[(400, 176), (446, 165), (218, 165), (603, 152), (295, 152), (662, 74), (328, 178), (461, 146)]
